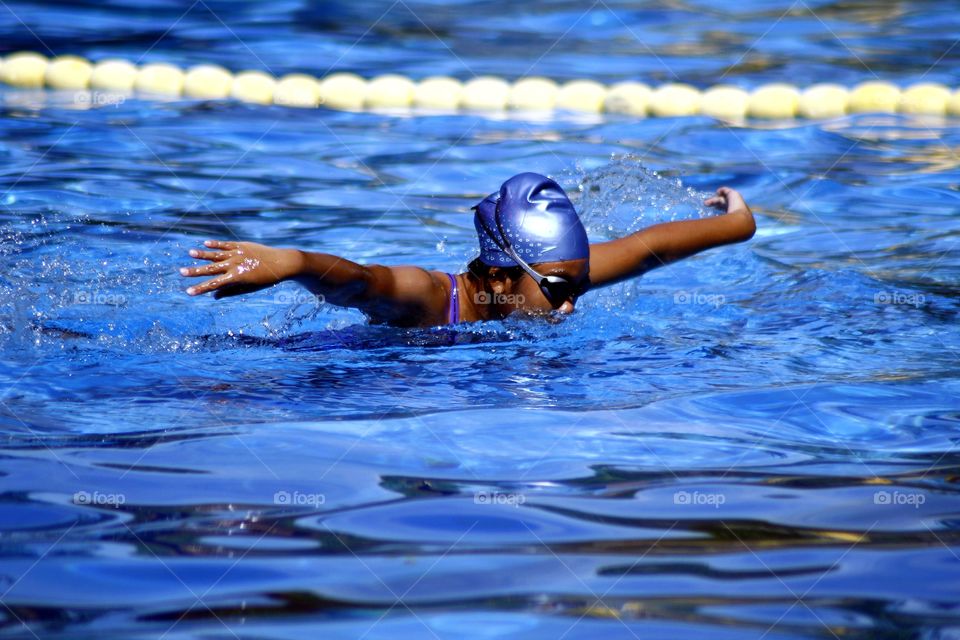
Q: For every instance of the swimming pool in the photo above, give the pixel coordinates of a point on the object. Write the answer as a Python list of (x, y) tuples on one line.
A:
[(757, 442)]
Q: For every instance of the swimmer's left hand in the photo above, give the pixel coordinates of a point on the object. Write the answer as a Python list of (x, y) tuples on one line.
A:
[(727, 199), (241, 267)]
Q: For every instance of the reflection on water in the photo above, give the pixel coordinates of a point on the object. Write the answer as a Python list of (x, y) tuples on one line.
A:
[(758, 442)]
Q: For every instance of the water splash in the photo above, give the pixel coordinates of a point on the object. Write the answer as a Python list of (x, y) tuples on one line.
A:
[(624, 196), (96, 284), (617, 199)]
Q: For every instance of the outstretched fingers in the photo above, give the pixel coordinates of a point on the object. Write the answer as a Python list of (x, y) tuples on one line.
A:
[(220, 244), (210, 285), (215, 256), (205, 270)]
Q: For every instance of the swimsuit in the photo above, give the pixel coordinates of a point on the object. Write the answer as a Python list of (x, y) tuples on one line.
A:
[(453, 310)]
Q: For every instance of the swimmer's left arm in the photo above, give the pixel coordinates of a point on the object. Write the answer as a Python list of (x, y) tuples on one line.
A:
[(405, 296), (661, 244)]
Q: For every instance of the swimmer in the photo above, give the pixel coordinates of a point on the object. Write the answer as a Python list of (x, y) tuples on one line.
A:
[(534, 259)]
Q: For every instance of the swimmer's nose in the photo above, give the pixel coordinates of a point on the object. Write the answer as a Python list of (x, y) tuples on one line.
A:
[(566, 307)]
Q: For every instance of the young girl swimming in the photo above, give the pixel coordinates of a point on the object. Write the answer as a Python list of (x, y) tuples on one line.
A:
[(534, 258)]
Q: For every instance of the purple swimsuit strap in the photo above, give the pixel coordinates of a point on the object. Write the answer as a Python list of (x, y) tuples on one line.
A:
[(453, 309)]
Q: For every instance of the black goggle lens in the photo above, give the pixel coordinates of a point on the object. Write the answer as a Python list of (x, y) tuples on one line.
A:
[(558, 290)]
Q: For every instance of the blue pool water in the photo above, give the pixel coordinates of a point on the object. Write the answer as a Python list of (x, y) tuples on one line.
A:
[(759, 442)]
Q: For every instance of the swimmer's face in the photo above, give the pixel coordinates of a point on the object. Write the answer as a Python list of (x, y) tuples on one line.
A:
[(525, 295)]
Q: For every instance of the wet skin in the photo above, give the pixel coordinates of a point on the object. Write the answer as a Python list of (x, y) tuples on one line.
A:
[(412, 296)]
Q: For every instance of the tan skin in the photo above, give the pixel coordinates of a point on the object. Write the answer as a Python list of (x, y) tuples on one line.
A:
[(411, 296)]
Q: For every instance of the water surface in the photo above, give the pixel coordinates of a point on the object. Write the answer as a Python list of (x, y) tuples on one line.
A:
[(759, 442)]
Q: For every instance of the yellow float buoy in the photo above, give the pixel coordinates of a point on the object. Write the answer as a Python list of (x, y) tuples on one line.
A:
[(823, 101), (345, 91), (24, 69), (159, 78), (926, 98), (725, 102), (774, 102), (675, 100), (253, 86), (438, 92), (389, 91), (68, 72), (207, 81), (113, 75), (582, 95), (485, 93), (631, 98), (874, 97), (533, 94), (297, 90)]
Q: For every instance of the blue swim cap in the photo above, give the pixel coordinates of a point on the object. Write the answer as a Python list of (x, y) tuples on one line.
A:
[(539, 221)]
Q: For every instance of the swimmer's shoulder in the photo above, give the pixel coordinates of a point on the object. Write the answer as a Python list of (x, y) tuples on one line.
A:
[(408, 296)]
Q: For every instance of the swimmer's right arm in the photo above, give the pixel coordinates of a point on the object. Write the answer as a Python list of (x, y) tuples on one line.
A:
[(661, 244), (399, 295)]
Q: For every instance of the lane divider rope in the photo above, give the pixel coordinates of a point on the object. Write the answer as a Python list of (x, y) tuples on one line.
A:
[(347, 91)]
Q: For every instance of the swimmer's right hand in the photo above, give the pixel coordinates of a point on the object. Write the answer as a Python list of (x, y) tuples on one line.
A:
[(241, 267)]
